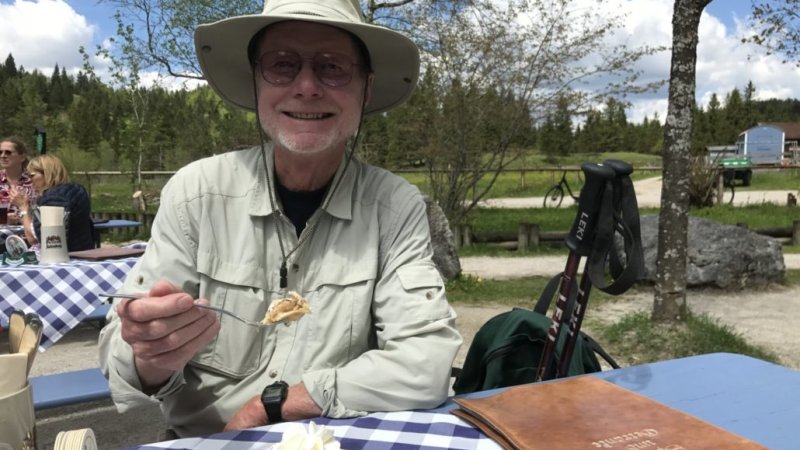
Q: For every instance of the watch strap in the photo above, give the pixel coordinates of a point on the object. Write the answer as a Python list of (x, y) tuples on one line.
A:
[(272, 398)]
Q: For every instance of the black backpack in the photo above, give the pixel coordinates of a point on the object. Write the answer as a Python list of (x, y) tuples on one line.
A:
[(507, 349)]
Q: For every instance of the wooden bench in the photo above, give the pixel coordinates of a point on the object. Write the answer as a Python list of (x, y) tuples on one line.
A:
[(69, 388), (99, 314)]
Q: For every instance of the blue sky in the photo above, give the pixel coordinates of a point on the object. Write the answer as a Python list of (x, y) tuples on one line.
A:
[(727, 10), (41, 33)]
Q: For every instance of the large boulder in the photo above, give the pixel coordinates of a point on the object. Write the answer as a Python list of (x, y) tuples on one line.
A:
[(720, 255), (445, 254)]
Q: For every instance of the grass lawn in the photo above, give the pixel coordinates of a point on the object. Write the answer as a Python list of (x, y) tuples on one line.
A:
[(500, 221)]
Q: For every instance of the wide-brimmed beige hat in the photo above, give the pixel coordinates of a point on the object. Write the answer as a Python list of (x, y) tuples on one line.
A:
[(222, 50)]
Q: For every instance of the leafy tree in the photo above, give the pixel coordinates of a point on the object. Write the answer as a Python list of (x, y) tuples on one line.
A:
[(651, 135), (32, 109), (137, 131), (734, 114), (555, 136), (777, 28), (749, 113), (669, 302), (494, 70)]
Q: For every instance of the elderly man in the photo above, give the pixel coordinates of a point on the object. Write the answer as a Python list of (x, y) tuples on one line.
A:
[(299, 214)]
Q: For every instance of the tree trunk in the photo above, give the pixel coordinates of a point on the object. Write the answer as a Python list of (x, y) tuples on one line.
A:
[(670, 289)]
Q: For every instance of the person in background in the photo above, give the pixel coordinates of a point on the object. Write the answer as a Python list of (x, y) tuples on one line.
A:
[(297, 213), (51, 183), (13, 173)]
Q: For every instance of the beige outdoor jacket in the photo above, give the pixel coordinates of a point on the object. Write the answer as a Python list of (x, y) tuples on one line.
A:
[(381, 335)]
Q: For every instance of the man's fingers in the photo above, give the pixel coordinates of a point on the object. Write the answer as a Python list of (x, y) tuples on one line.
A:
[(151, 308), (135, 330), (174, 351), (163, 287)]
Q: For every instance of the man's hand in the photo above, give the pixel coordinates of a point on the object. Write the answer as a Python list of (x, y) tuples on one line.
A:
[(298, 405), (165, 331)]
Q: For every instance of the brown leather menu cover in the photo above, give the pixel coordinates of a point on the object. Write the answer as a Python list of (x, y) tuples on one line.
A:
[(586, 413), (99, 254)]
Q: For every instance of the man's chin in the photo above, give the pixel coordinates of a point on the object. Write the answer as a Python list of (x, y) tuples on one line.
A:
[(308, 146)]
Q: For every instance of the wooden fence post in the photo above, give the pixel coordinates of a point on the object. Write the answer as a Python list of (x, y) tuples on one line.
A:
[(522, 236), (534, 235)]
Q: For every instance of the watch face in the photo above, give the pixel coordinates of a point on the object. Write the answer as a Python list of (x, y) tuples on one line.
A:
[(273, 394)]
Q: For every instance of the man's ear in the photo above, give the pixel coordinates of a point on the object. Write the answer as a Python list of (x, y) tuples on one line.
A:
[(368, 88)]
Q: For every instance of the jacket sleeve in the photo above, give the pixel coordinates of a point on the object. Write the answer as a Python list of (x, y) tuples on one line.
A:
[(415, 328), (168, 256)]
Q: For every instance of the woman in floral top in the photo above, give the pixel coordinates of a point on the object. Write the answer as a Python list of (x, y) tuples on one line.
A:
[(13, 172)]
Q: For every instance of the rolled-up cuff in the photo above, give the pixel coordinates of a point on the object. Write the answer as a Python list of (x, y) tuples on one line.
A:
[(321, 386)]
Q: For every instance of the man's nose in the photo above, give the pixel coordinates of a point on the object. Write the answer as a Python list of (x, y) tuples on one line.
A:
[(307, 83)]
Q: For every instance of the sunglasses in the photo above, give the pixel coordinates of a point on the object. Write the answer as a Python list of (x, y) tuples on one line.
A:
[(331, 69), (7, 152)]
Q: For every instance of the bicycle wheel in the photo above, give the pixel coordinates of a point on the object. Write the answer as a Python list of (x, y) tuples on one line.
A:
[(554, 197), (728, 192)]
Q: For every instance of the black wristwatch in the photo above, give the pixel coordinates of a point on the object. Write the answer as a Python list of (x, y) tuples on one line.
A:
[(272, 398)]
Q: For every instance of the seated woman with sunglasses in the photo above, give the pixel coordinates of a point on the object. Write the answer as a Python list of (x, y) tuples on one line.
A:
[(13, 173), (51, 181)]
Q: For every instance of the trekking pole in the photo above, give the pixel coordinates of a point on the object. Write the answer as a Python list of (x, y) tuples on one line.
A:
[(621, 169), (579, 241)]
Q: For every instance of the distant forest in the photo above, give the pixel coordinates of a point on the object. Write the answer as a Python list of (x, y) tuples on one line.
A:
[(94, 127)]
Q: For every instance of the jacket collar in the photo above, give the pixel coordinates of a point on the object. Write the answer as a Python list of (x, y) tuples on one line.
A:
[(340, 204)]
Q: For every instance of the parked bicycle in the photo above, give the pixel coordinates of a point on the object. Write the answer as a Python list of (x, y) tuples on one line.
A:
[(728, 192), (555, 195)]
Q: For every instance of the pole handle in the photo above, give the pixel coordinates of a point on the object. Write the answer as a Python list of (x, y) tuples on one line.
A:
[(621, 168), (580, 237)]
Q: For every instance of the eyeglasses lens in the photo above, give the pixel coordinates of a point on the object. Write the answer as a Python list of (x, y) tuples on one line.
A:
[(6, 153), (281, 67)]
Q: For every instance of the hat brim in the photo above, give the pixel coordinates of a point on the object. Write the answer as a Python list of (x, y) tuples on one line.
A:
[(222, 52)]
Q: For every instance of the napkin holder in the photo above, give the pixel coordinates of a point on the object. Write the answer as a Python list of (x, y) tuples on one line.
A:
[(53, 242), (17, 418)]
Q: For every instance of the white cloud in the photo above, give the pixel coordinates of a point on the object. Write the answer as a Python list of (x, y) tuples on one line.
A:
[(723, 62), (41, 34)]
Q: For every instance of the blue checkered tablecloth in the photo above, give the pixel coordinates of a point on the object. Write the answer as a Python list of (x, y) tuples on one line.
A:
[(62, 294), (9, 230), (405, 430)]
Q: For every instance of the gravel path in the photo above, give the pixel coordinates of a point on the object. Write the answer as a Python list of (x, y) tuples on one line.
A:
[(648, 194)]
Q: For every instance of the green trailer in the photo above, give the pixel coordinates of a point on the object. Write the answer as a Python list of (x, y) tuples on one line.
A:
[(736, 168)]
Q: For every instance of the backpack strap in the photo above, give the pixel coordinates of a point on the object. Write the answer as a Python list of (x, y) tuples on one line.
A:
[(549, 293), (595, 347), (619, 215)]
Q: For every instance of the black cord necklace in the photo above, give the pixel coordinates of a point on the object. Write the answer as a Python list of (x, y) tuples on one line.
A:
[(349, 151)]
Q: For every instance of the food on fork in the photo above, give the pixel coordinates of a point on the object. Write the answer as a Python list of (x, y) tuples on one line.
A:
[(286, 309)]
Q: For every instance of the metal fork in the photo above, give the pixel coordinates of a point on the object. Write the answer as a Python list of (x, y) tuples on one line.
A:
[(213, 308)]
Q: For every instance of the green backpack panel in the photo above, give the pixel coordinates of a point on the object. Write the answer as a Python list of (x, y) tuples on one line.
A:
[(506, 352)]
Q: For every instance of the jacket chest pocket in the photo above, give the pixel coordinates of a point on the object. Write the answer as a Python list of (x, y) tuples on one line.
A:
[(237, 349), (340, 323)]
